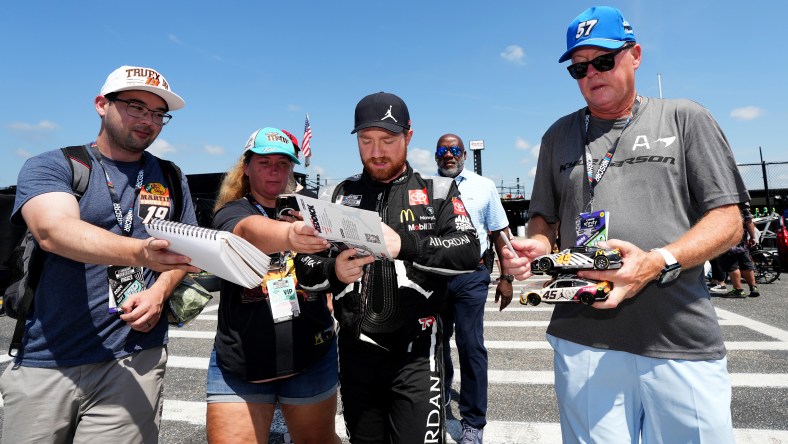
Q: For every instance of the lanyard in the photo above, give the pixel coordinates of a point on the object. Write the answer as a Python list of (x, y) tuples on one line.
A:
[(260, 208), (283, 256), (123, 223), (588, 160)]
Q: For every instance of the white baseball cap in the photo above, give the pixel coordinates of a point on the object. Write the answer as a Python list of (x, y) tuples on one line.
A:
[(128, 78)]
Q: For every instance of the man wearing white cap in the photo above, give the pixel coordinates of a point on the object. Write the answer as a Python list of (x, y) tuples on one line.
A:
[(92, 359), (649, 363)]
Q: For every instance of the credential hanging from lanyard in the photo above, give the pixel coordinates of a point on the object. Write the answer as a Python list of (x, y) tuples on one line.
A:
[(279, 283), (592, 226), (124, 281)]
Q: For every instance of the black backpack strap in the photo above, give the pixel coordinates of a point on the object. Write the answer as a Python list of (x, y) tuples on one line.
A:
[(173, 175), (80, 163), (24, 289)]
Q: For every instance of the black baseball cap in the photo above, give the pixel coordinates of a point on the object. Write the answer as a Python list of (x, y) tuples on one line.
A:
[(382, 110)]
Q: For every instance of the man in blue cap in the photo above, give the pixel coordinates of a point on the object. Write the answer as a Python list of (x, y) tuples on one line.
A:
[(648, 363)]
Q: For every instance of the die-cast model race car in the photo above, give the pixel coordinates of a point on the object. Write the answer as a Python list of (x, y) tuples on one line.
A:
[(577, 258), (568, 289)]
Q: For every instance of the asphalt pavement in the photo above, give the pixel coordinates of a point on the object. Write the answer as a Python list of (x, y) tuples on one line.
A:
[(522, 406)]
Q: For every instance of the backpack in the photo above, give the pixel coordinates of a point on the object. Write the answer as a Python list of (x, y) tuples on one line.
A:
[(25, 262)]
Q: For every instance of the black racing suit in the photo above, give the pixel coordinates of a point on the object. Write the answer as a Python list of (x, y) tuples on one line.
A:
[(390, 338)]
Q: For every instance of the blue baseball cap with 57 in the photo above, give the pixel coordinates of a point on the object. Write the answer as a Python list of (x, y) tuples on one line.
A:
[(601, 26)]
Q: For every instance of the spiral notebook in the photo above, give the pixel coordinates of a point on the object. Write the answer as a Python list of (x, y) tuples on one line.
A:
[(222, 253)]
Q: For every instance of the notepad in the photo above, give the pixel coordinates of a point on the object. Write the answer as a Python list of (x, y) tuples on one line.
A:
[(219, 252)]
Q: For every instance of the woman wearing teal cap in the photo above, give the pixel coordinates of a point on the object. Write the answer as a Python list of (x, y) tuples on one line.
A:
[(274, 343)]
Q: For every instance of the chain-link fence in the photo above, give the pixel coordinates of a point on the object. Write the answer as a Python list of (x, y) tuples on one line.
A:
[(768, 185)]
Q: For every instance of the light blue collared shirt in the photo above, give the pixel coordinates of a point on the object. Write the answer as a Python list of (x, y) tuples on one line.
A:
[(483, 204)]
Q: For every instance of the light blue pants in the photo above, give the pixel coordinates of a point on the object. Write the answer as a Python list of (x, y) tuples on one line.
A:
[(607, 396)]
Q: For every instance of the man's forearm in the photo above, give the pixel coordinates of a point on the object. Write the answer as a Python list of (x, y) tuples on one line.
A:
[(541, 231), (715, 233)]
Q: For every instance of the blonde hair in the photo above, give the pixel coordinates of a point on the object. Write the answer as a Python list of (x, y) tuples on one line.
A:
[(235, 184)]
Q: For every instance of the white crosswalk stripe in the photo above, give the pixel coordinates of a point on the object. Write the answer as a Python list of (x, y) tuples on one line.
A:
[(495, 432), (514, 431), (184, 408)]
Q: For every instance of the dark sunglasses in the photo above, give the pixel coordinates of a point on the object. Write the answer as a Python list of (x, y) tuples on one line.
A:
[(455, 151), (603, 63)]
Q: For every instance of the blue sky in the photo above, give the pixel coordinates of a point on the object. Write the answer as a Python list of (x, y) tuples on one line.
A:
[(483, 70)]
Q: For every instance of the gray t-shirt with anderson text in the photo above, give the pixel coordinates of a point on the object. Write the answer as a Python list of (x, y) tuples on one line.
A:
[(672, 165)]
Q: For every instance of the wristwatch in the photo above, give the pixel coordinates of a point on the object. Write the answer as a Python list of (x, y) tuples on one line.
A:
[(672, 267), (507, 277)]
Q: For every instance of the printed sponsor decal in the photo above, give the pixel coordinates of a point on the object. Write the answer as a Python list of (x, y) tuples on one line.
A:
[(276, 137), (154, 202), (418, 197), (449, 243), (421, 227), (353, 200), (313, 216), (406, 216), (463, 223), (155, 188), (153, 77), (621, 163), (308, 261), (426, 322), (433, 432), (459, 207)]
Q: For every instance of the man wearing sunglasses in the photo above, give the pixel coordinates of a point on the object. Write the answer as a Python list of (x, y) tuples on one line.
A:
[(648, 363), (93, 354), (467, 293)]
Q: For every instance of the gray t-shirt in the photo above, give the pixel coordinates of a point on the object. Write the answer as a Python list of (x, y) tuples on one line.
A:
[(672, 165)]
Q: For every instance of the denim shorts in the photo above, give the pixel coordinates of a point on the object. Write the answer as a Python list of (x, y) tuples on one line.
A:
[(314, 384)]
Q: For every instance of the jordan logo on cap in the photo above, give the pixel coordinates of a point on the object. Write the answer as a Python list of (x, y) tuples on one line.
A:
[(388, 114)]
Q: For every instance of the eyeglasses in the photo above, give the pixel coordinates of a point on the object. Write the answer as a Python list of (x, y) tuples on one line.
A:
[(136, 109), (455, 151), (603, 63)]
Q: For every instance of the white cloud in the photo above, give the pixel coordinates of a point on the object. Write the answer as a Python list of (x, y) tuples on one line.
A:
[(522, 144), (535, 151), (42, 126), (532, 172), (161, 148), (215, 150), (174, 38), (514, 54), (293, 108), (422, 160), (746, 113), (23, 153)]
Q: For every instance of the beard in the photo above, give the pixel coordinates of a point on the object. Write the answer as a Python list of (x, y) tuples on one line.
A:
[(127, 139), (393, 169), (454, 170)]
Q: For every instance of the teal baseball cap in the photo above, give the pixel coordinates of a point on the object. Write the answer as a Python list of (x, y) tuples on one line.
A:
[(269, 140), (601, 26)]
